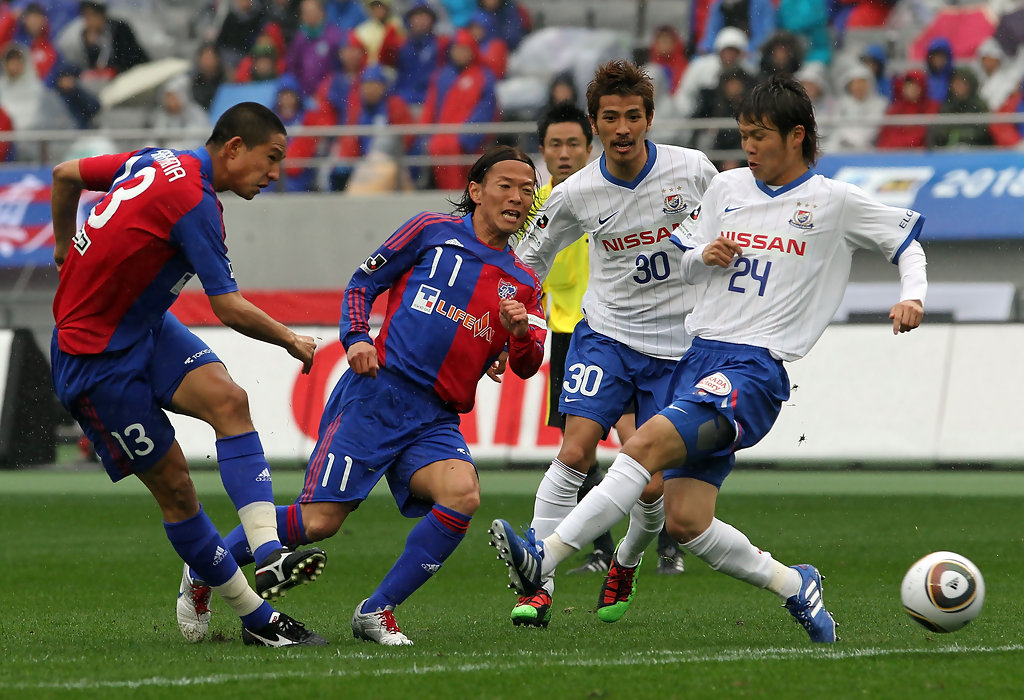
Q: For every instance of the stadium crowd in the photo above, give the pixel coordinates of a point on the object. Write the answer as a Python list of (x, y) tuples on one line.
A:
[(369, 63)]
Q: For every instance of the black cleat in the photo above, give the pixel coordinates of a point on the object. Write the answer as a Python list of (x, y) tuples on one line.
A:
[(285, 569), (282, 631)]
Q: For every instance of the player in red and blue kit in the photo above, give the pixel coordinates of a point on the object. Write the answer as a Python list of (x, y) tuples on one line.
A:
[(459, 300), (120, 358)]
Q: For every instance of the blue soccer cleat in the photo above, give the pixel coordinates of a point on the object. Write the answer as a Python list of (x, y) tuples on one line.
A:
[(521, 555), (808, 608)]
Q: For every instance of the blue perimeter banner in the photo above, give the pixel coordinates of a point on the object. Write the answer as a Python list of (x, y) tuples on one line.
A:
[(964, 195)]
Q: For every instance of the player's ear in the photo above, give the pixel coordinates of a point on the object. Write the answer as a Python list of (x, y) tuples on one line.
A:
[(798, 133), (233, 147), (476, 192)]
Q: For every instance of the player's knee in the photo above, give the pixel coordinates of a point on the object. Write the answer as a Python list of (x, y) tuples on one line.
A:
[(681, 530), (577, 457), (461, 495), (230, 407), (321, 523)]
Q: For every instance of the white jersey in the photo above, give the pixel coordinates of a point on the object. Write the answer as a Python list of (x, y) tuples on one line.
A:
[(798, 243), (635, 294)]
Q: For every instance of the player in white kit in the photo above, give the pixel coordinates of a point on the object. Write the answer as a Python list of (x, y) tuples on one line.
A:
[(630, 201), (771, 246)]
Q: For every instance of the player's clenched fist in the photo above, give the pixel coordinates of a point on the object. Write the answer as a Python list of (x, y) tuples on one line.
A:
[(906, 316), (302, 348), (721, 251), (362, 358), (513, 317)]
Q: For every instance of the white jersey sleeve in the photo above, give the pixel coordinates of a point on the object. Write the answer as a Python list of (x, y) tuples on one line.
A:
[(554, 228)]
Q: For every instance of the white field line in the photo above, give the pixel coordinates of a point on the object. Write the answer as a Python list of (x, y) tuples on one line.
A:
[(473, 663)]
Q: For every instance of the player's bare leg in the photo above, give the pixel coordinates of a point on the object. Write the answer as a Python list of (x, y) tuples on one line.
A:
[(209, 394)]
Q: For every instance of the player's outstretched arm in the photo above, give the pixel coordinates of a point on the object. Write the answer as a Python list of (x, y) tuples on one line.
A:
[(238, 313), (906, 316), (64, 195)]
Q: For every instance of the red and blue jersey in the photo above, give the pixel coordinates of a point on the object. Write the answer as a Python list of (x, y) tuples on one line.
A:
[(159, 225), (441, 329)]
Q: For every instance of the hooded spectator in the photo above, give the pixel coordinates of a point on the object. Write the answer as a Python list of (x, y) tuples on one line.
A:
[(493, 49), (875, 58), (82, 105), (910, 97), (461, 93), (730, 49), (177, 120), (860, 107), (511, 20), (669, 52), (31, 29), (813, 75), (939, 67), (755, 18), (313, 48), (962, 99), (21, 91), (263, 63), (421, 55), (381, 33), (782, 54)]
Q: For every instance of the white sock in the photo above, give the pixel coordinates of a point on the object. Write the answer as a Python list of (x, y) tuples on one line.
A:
[(556, 497), (259, 520), (237, 593), (605, 505), (728, 550), (645, 523)]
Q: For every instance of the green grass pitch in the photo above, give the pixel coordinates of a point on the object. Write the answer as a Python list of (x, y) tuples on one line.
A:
[(90, 585)]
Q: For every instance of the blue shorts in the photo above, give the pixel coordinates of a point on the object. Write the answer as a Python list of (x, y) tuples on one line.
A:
[(119, 397), (376, 427), (603, 377), (744, 383)]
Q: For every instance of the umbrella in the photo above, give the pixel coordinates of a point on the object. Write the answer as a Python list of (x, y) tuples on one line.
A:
[(138, 85), (964, 28)]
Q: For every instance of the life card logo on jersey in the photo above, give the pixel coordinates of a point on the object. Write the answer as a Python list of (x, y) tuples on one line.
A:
[(674, 204), (506, 290), (426, 299), (373, 263), (717, 384)]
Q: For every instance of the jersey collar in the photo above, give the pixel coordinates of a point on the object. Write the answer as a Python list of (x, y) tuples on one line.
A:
[(652, 155), (205, 162), (785, 188)]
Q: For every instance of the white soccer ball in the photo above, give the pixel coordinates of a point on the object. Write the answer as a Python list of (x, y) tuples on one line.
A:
[(943, 591)]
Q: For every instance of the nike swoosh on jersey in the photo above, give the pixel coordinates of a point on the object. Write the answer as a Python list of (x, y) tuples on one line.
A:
[(729, 209), (570, 400), (602, 222)]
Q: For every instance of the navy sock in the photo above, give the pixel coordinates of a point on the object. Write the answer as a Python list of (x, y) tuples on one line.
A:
[(431, 541), (199, 545), (246, 476)]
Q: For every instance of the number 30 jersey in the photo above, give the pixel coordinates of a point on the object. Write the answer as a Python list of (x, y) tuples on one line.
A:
[(635, 294), (159, 225), (798, 243)]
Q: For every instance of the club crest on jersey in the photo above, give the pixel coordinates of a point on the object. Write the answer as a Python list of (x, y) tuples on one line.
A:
[(674, 204), (506, 290), (803, 219), (717, 384), (542, 221), (426, 299), (373, 263)]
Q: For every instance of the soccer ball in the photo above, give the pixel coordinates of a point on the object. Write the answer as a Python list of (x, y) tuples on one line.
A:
[(943, 591)]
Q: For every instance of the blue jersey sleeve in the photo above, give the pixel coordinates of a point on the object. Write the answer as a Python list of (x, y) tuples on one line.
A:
[(200, 236), (378, 273)]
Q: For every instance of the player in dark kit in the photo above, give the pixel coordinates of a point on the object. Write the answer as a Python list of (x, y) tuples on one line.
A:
[(459, 300), (120, 359)]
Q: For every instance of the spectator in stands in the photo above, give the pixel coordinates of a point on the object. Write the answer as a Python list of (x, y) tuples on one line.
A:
[(860, 107), (21, 91), (284, 14), (334, 92), (755, 18), (420, 56), (31, 29), (702, 73), (998, 74), (373, 103), (669, 52), (1009, 134), (208, 75), (264, 62), (59, 13), (723, 101), (939, 67), (875, 58), (239, 30), (288, 102), (177, 118), (963, 98), (82, 106), (911, 97), (562, 89), (289, 105), (313, 47), (782, 54), (459, 11), (511, 20), (808, 20), (813, 75), (7, 149), (346, 15), (105, 46), (493, 49), (381, 33), (461, 93)]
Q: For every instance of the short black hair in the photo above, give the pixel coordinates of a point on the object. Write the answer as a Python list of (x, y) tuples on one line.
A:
[(783, 101), (250, 120), (479, 169), (561, 113)]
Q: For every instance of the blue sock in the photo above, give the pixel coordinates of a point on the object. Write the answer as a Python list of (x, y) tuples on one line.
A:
[(246, 476), (431, 541)]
